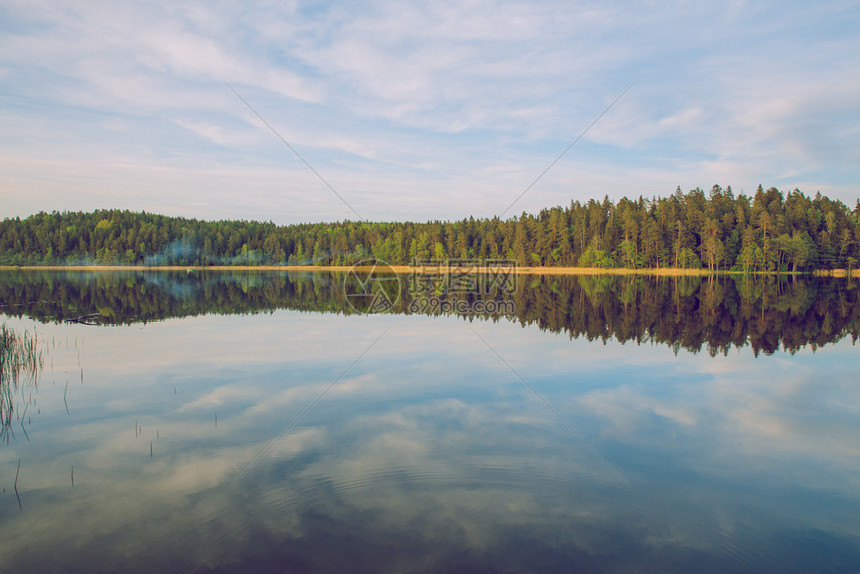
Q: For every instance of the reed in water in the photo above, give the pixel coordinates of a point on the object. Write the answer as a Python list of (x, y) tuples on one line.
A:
[(20, 364)]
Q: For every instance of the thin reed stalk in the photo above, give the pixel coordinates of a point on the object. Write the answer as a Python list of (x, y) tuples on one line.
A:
[(20, 365)]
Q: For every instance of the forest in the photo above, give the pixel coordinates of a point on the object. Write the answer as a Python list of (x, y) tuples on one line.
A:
[(714, 230)]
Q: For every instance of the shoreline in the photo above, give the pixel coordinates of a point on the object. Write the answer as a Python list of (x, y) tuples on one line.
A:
[(407, 269)]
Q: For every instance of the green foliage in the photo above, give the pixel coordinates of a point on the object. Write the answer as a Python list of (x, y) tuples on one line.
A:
[(596, 258), (687, 259), (716, 230)]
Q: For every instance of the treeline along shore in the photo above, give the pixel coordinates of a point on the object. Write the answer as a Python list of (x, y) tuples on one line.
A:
[(710, 231)]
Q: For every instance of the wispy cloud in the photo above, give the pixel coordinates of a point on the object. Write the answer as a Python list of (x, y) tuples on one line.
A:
[(410, 107)]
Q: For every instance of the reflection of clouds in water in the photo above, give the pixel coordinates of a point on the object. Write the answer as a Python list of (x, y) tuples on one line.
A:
[(789, 407), (769, 419), (292, 397), (430, 456), (216, 397), (626, 409)]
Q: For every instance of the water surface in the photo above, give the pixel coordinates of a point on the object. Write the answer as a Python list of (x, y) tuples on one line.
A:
[(606, 425)]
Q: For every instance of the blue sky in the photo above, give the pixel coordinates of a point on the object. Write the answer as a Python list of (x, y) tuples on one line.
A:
[(419, 110)]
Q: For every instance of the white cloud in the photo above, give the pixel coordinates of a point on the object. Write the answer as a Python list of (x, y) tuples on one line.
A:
[(420, 110)]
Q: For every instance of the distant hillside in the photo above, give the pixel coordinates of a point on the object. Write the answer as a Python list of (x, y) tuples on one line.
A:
[(715, 230)]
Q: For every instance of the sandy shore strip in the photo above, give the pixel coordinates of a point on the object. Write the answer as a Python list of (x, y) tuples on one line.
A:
[(407, 269)]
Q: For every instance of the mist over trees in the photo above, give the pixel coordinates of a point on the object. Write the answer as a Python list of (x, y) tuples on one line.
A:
[(713, 230)]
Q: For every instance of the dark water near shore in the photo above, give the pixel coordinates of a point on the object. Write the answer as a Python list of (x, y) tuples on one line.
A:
[(599, 424)]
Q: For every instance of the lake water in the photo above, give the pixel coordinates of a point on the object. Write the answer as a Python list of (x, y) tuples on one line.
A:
[(254, 422)]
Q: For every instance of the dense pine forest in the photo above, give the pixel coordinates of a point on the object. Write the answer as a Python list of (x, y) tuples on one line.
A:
[(713, 230)]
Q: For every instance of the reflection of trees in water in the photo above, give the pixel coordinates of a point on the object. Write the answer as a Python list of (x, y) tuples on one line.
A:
[(133, 297), (695, 313), (20, 366)]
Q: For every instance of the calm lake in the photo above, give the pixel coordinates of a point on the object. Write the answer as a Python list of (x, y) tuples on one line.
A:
[(260, 421)]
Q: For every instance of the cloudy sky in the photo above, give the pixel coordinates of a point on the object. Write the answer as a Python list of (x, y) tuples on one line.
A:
[(419, 110)]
